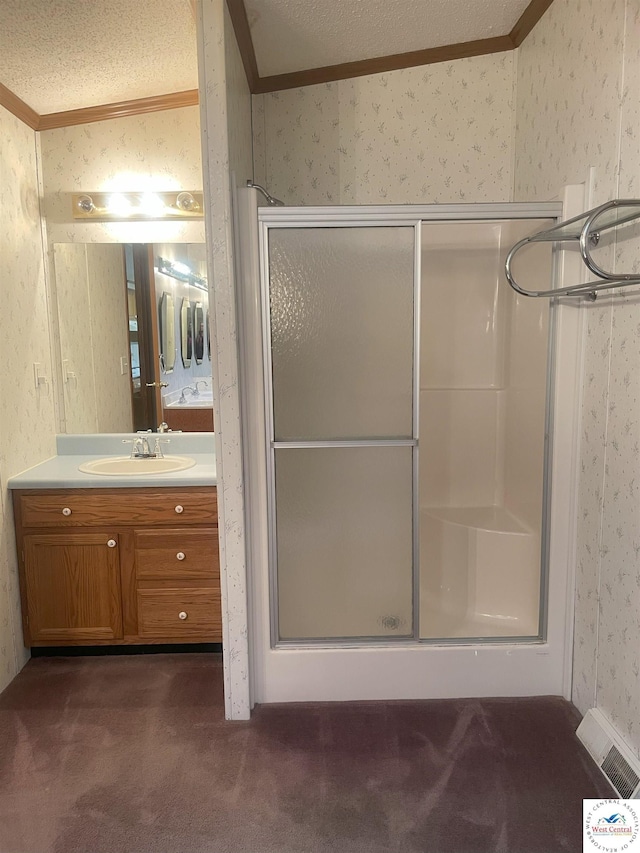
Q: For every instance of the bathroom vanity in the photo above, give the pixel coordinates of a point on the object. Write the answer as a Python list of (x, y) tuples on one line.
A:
[(118, 560)]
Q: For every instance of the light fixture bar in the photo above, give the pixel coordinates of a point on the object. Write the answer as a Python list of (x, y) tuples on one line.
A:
[(181, 272), (137, 206)]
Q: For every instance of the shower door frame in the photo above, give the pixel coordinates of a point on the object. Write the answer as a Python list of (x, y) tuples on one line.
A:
[(272, 445), (277, 665)]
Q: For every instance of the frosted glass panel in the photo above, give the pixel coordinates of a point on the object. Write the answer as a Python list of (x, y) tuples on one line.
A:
[(344, 534), (342, 332)]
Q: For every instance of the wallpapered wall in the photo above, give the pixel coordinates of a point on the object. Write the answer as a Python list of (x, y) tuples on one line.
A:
[(157, 151), (226, 142), (440, 133), (27, 423), (577, 107)]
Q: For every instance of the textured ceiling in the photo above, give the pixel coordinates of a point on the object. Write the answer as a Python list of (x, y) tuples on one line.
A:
[(65, 54), (59, 55), (292, 35)]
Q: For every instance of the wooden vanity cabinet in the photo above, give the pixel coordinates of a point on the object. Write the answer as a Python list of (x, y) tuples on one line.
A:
[(118, 566)]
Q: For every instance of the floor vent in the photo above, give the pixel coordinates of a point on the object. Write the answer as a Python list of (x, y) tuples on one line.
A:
[(620, 773), (611, 754)]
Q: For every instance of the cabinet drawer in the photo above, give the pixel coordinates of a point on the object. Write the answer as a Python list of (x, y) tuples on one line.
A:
[(175, 613), (177, 554), (88, 507)]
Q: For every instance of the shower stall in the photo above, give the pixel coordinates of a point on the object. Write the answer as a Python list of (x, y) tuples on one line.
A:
[(397, 409)]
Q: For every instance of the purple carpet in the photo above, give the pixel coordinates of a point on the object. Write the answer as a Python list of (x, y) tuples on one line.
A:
[(131, 754)]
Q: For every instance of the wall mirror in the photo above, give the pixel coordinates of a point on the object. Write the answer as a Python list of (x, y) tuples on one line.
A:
[(208, 338), (186, 332), (116, 310), (198, 327), (167, 334)]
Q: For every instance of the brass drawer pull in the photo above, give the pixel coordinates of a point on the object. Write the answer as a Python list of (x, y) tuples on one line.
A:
[(66, 511), (182, 615), (179, 509), (180, 555)]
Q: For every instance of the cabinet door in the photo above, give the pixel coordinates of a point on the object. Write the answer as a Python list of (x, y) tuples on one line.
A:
[(73, 587)]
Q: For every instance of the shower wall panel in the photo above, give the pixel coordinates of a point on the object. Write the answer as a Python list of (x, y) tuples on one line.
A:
[(527, 379), (460, 462), (462, 308), (464, 317), (482, 423)]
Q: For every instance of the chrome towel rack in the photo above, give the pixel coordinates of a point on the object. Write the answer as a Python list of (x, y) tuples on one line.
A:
[(586, 229)]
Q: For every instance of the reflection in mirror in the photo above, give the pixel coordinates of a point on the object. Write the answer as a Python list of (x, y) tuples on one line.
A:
[(114, 320), (167, 334), (198, 325), (94, 337), (186, 332), (208, 337)]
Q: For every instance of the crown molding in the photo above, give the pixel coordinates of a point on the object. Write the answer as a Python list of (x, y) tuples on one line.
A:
[(527, 21), (382, 64), (344, 71), (18, 107), (103, 112), (238, 14)]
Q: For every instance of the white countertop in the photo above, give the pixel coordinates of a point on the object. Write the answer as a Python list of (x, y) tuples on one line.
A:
[(61, 471)]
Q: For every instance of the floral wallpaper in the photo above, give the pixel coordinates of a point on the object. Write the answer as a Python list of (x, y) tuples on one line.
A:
[(155, 151), (577, 110), (226, 128), (27, 418), (437, 133)]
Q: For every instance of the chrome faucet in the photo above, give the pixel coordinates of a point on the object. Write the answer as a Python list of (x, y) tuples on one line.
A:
[(141, 449), (203, 382), (194, 391)]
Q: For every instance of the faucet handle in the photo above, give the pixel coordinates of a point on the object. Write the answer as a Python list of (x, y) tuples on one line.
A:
[(132, 442), (157, 449)]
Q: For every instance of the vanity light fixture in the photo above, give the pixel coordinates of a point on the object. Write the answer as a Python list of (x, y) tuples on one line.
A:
[(105, 207), (182, 272)]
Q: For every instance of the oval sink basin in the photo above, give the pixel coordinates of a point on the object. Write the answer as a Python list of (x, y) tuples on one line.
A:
[(125, 466)]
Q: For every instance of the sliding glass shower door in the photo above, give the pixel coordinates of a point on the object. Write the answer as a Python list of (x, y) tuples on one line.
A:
[(340, 319)]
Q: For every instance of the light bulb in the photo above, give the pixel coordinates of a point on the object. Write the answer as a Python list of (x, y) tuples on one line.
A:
[(152, 205), (85, 204), (119, 205), (185, 201)]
